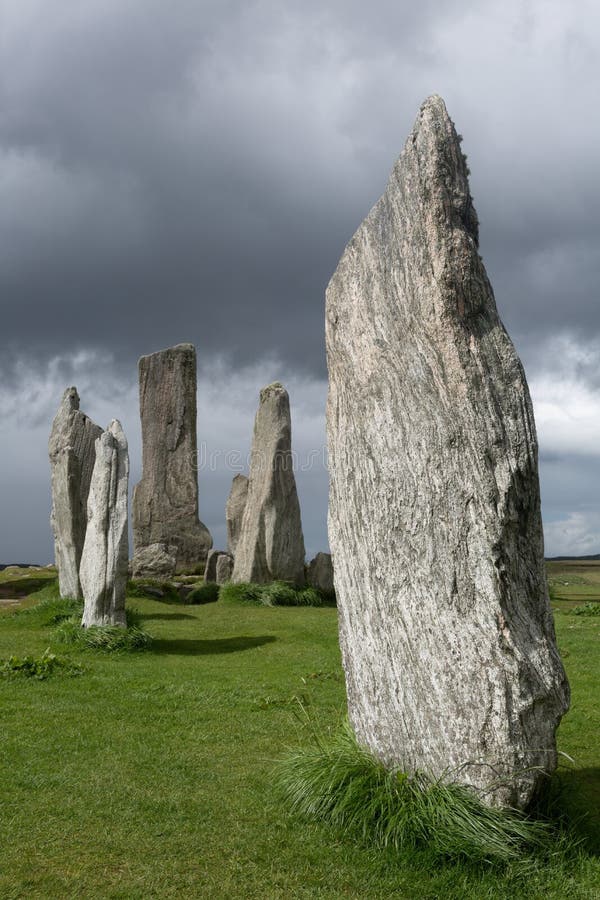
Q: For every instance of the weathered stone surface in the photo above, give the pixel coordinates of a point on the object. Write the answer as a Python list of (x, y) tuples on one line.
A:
[(218, 561), (71, 449), (155, 561), (434, 523), (165, 502), (234, 510), (271, 546), (105, 554), (224, 569), (320, 573), (210, 569)]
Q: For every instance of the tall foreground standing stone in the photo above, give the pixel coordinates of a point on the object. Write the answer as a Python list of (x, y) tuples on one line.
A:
[(165, 501), (434, 520), (271, 545), (105, 554), (72, 454)]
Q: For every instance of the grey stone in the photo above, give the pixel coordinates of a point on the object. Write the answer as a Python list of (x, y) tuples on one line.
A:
[(446, 632), (320, 573), (224, 569), (155, 561), (270, 545), (71, 449), (165, 501), (212, 565), (105, 554), (234, 510)]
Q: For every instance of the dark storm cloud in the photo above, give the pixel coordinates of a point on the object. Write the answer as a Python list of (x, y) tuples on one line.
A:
[(194, 174)]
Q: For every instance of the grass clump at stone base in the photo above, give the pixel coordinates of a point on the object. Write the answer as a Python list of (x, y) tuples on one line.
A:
[(339, 783), (277, 593), (110, 638)]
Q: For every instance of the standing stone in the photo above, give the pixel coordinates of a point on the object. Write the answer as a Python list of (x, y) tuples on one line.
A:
[(434, 520), (105, 555), (234, 511), (271, 546), (212, 564), (320, 573), (72, 455), (224, 569), (155, 561), (165, 501)]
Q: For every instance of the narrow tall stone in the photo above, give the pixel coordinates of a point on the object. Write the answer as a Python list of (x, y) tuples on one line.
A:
[(234, 511), (165, 501), (71, 449), (270, 545), (434, 521), (105, 554)]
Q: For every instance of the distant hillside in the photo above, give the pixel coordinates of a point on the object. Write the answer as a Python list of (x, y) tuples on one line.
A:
[(593, 558)]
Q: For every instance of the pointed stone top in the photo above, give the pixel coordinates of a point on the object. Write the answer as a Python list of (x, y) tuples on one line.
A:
[(434, 169), (116, 429), (70, 398)]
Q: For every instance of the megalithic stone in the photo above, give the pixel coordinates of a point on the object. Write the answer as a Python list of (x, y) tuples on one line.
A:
[(104, 561), (165, 501), (271, 545), (212, 566), (234, 510), (224, 568), (71, 448), (434, 520)]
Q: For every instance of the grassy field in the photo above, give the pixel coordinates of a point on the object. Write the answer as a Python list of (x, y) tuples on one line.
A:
[(151, 774)]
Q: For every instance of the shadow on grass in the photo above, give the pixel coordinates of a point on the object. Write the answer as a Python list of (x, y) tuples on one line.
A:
[(169, 617), (22, 587), (577, 797), (187, 647)]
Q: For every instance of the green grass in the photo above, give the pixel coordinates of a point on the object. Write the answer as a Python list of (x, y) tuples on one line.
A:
[(40, 667), (152, 775), (278, 593), (340, 783), (587, 609)]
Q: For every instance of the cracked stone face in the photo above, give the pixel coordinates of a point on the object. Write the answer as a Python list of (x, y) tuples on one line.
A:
[(104, 561), (71, 448), (165, 501), (434, 521), (270, 545)]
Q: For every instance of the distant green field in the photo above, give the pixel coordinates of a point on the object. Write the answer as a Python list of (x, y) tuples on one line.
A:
[(151, 774)]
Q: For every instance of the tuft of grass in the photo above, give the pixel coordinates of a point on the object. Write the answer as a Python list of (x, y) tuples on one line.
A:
[(109, 638), (51, 611), (587, 609), (40, 668), (277, 593), (340, 783), (204, 593), (50, 608)]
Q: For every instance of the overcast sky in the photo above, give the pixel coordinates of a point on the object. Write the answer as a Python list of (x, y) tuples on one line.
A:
[(191, 171)]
